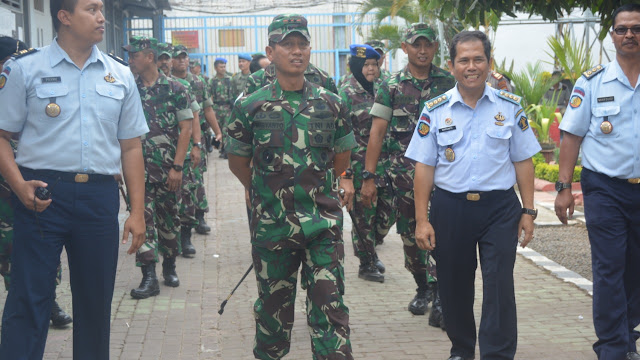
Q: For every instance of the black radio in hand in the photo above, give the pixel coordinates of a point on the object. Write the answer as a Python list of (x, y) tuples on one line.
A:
[(43, 193)]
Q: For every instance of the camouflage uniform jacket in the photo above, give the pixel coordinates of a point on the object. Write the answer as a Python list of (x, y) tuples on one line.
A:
[(293, 191), (5, 189), (267, 76), (221, 91), (195, 107), (400, 100), (384, 74), (201, 92), (344, 79), (358, 102), (165, 104), (238, 83)]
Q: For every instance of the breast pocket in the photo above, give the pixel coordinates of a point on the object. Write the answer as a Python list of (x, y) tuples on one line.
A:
[(321, 130), (52, 98), (110, 98), (268, 140), (602, 114), (497, 142), (400, 121)]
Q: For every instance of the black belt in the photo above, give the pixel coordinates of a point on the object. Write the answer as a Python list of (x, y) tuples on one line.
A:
[(67, 176), (476, 195), (634, 181)]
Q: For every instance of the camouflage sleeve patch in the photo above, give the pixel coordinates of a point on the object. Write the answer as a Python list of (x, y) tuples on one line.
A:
[(184, 114), (238, 148), (381, 111), (592, 72), (512, 98), (434, 103), (345, 143)]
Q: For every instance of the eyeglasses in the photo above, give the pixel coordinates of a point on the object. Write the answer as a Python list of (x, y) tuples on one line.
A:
[(622, 30)]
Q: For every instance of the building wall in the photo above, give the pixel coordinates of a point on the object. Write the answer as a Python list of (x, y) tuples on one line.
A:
[(40, 25), (12, 19)]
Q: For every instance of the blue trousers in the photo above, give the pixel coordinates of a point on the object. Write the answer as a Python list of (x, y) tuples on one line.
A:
[(83, 218), (491, 226), (612, 212)]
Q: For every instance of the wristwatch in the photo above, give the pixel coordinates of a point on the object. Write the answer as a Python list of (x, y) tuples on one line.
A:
[(561, 186), (176, 167), (532, 212), (366, 175), (198, 145)]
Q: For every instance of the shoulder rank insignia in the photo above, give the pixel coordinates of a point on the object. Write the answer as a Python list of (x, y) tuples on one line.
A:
[(434, 103), (23, 53), (509, 96), (592, 72), (496, 75), (118, 59)]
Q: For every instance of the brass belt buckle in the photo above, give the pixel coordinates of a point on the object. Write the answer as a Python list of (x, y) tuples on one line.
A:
[(473, 196), (634, 180), (81, 178)]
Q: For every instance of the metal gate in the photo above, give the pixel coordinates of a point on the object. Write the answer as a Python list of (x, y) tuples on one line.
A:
[(227, 36)]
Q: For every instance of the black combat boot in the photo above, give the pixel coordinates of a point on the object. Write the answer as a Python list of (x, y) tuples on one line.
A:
[(435, 318), (370, 272), (188, 250), (419, 304), (202, 227), (149, 284), (379, 264), (59, 318), (169, 272)]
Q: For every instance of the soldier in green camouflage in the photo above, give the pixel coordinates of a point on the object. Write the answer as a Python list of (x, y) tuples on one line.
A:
[(207, 120), (358, 95), (381, 48), (166, 106), (297, 136), (221, 92), (398, 103), (239, 80), (189, 184), (267, 76)]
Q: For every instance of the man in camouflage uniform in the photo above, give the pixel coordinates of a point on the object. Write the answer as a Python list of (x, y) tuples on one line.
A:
[(499, 81), (398, 103), (166, 106), (207, 121), (221, 92), (298, 137), (239, 80), (189, 184), (380, 47), (358, 95), (267, 76), (59, 318)]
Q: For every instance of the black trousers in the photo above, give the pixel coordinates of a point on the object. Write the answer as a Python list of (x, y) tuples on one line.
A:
[(489, 224)]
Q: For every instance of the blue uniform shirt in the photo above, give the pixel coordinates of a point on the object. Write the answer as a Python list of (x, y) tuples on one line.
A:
[(484, 150), (99, 104), (607, 95)]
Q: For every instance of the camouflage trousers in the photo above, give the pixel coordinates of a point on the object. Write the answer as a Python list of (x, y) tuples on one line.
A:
[(187, 205), (323, 277), (415, 259), (223, 114), (200, 196), (373, 223), (163, 224), (6, 238)]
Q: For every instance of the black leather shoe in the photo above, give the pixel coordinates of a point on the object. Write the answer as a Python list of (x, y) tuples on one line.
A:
[(370, 272), (379, 265), (169, 272), (149, 285), (459, 358), (435, 317), (188, 250), (202, 227), (419, 304), (632, 356), (59, 318)]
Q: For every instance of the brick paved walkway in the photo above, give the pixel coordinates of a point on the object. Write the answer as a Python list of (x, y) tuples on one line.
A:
[(554, 317)]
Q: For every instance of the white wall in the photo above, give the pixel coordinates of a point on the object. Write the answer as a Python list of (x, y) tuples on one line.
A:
[(41, 26)]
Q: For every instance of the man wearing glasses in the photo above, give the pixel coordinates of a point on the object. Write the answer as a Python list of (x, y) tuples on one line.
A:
[(603, 117)]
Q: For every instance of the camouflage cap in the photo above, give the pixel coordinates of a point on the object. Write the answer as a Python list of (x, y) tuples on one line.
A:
[(416, 30), (139, 43), (285, 24), (194, 63), (179, 49), (377, 44), (165, 49)]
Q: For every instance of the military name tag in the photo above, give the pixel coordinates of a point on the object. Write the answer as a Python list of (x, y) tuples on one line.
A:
[(606, 127), (450, 154), (445, 129), (51, 79), (605, 99), (268, 125)]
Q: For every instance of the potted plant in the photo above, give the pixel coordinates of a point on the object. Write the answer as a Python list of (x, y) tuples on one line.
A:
[(541, 117)]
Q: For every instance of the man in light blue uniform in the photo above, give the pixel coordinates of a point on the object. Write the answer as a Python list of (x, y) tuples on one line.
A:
[(80, 116), (604, 117), (474, 143)]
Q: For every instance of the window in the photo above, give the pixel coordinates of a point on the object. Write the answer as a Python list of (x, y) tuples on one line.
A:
[(13, 4), (231, 38), (38, 5)]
